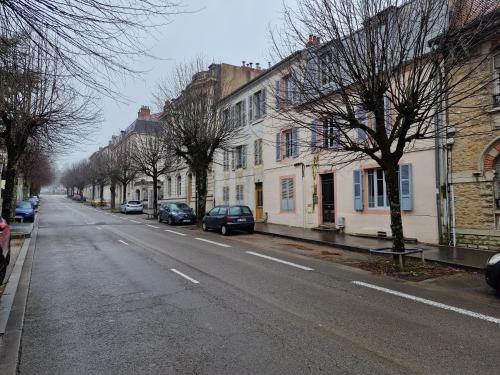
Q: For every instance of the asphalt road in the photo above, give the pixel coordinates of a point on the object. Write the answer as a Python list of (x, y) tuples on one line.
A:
[(118, 294)]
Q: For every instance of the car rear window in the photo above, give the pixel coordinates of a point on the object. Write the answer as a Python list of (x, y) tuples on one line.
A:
[(134, 202), (239, 210), (179, 206), (24, 205)]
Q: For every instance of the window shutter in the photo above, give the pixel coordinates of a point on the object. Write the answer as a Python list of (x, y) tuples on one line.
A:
[(313, 135), (244, 156), (290, 195), (233, 161), (263, 102), (284, 195), (250, 109), (255, 152), (277, 95), (405, 187), (278, 146), (325, 134), (358, 190), (295, 141), (243, 113)]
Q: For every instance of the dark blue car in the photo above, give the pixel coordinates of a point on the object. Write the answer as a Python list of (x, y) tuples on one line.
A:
[(25, 211), (229, 218), (176, 213)]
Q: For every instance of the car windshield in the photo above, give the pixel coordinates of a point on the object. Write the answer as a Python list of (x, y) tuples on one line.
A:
[(240, 210), (134, 202), (179, 206), (24, 205)]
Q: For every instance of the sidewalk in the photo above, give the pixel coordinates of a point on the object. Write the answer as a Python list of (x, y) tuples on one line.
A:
[(473, 259)]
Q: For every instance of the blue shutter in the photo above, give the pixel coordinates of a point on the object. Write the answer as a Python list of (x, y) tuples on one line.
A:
[(263, 102), (295, 141), (313, 135), (250, 109), (358, 190), (278, 146), (405, 187), (277, 94), (243, 113)]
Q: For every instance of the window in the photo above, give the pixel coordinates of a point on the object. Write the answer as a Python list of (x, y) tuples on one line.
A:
[(325, 66), (214, 211), (240, 157), (496, 79), (239, 193), (288, 141), (331, 133), (377, 191), (257, 150), (240, 114), (239, 210), (259, 104), (179, 186), (287, 194), (362, 117), (225, 162), (160, 192), (169, 186), (225, 194)]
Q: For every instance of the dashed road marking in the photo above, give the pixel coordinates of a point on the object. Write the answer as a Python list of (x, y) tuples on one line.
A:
[(280, 261), (212, 242), (123, 242), (429, 302), (135, 221), (174, 232), (152, 226), (185, 276)]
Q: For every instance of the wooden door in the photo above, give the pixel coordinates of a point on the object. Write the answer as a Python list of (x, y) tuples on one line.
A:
[(259, 202), (327, 197)]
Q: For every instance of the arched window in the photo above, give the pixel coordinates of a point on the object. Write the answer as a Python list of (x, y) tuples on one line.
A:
[(179, 186)]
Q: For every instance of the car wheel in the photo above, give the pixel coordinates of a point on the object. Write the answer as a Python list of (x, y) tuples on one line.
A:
[(204, 227), (224, 230), (170, 221)]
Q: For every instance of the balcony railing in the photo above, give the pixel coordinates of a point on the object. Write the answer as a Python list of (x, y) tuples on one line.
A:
[(496, 100)]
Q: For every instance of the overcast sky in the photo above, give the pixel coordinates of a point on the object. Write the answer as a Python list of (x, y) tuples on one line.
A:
[(222, 31)]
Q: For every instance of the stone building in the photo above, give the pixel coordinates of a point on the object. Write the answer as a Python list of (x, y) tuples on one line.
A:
[(472, 155)]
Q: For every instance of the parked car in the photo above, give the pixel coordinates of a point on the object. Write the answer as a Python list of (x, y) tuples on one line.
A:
[(25, 211), (131, 206), (4, 248), (176, 213), (34, 201), (492, 272), (229, 218)]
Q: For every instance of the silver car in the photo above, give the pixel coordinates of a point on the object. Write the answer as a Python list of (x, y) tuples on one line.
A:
[(131, 207)]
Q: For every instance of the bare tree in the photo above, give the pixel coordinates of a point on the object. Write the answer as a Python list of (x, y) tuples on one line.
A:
[(197, 123), (77, 176), (126, 169), (99, 172), (37, 169), (377, 76), (152, 157), (36, 103), (91, 38)]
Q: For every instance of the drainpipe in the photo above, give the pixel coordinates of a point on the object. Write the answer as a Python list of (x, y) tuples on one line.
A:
[(453, 231)]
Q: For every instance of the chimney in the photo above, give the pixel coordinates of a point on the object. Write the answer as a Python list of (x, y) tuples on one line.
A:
[(144, 113), (243, 63), (313, 40), (257, 66)]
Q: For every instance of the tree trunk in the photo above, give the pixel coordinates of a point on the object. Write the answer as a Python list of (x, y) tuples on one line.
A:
[(201, 193), (124, 192), (155, 195), (101, 193), (9, 194), (392, 183), (112, 189)]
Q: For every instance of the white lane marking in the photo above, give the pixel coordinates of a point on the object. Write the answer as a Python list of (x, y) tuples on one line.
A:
[(106, 213), (212, 242), (430, 302), (98, 228), (89, 223), (152, 226), (123, 242), (174, 232), (280, 261), (135, 221), (185, 276)]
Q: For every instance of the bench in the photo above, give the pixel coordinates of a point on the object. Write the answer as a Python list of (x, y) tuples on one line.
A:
[(400, 254)]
